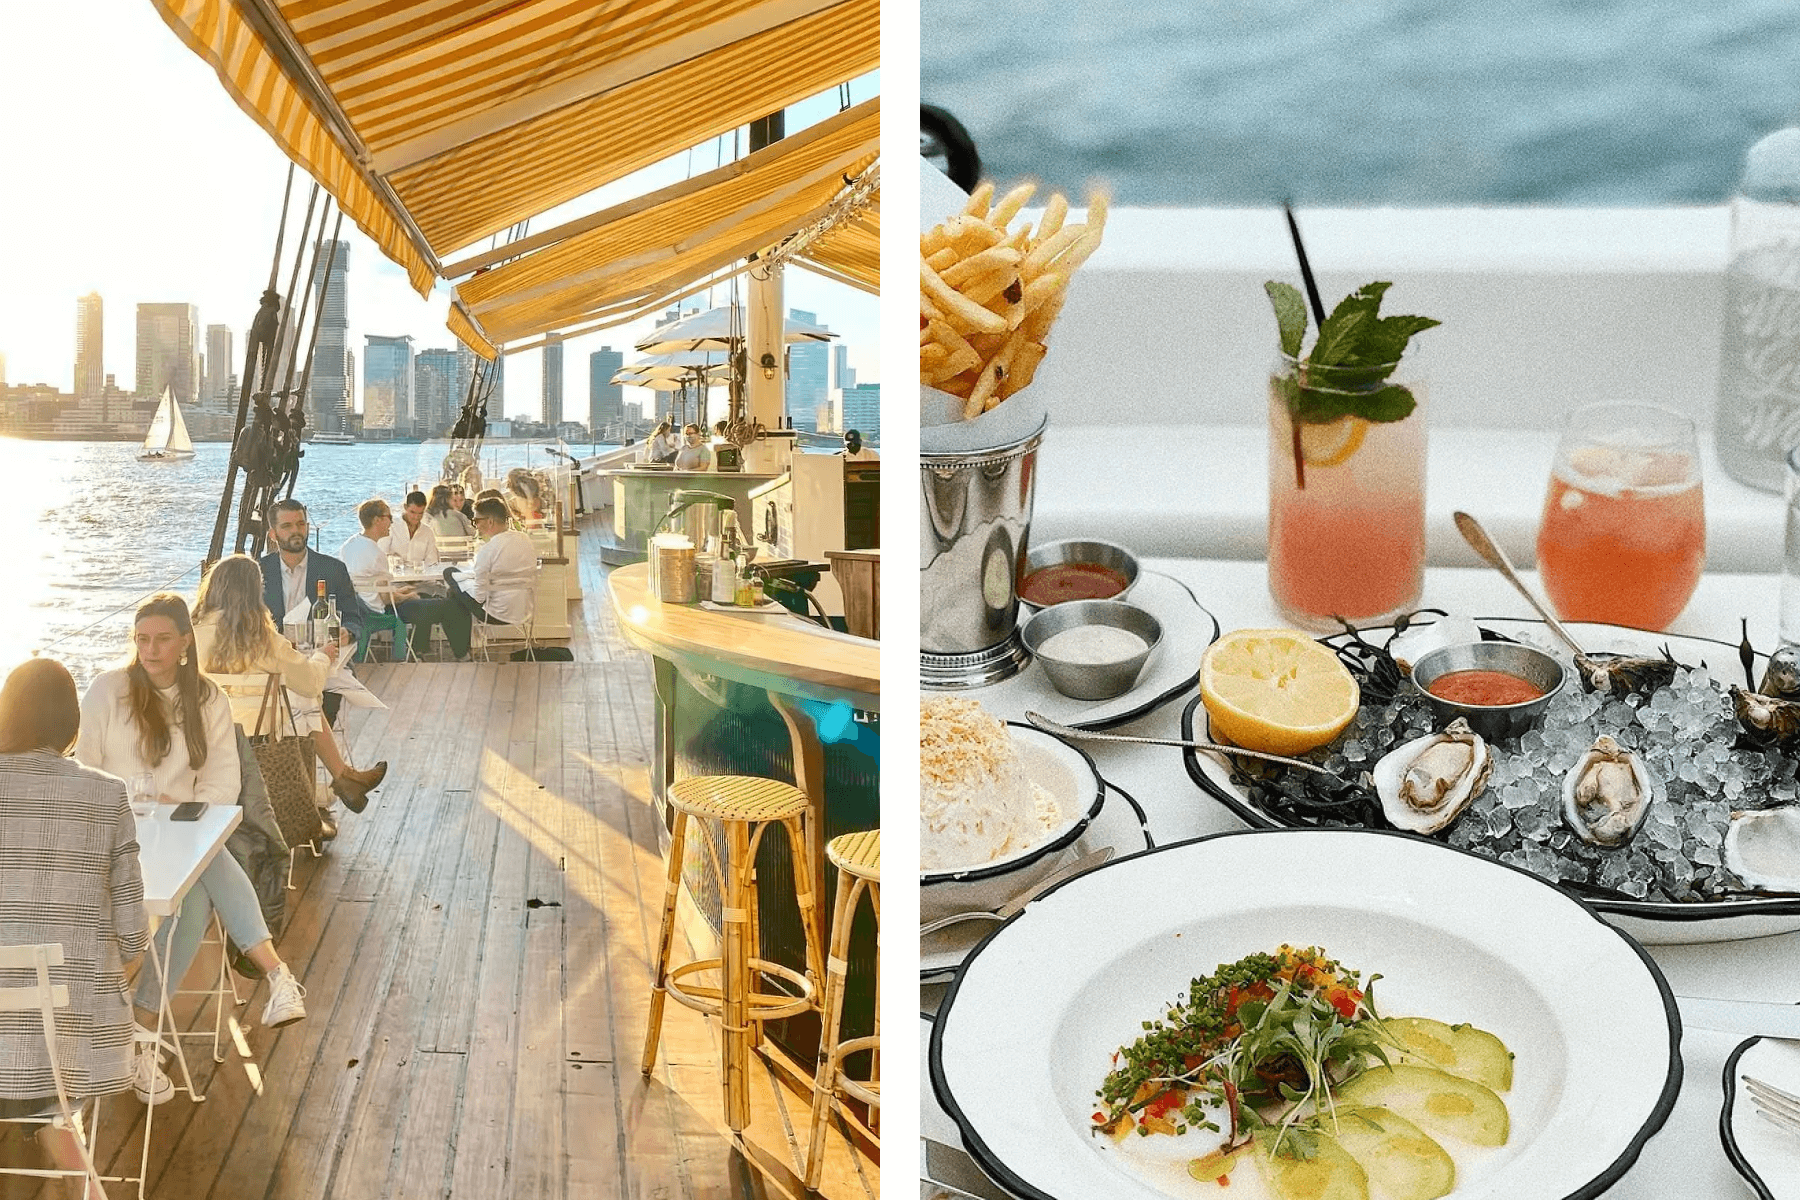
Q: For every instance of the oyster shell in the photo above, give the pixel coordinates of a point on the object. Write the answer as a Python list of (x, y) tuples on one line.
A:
[(1781, 678), (1620, 675), (1427, 783), (1606, 795), (1769, 720), (1762, 848)]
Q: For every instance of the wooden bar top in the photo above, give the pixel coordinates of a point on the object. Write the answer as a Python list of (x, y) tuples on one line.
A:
[(788, 656)]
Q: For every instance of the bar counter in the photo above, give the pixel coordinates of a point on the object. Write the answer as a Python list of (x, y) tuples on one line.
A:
[(777, 697)]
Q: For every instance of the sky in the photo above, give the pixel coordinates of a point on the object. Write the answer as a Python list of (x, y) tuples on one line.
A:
[(126, 169)]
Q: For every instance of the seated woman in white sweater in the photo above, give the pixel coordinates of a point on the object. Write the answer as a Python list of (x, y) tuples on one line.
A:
[(159, 716)]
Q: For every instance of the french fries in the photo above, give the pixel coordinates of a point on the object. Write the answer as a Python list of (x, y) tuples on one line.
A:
[(988, 294)]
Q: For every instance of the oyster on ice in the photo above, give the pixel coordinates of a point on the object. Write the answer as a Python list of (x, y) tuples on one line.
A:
[(1769, 720), (1426, 783), (1606, 795), (1762, 848)]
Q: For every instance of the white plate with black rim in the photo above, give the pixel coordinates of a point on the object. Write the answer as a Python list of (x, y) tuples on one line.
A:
[(1172, 672), (1656, 922), (1028, 1028), (1767, 1156)]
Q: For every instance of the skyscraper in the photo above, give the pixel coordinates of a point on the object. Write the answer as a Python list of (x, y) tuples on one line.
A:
[(328, 390), (168, 353), (842, 375), (606, 399), (90, 347), (434, 402), (496, 408), (859, 408), (552, 414), (809, 378), (218, 363), (387, 385)]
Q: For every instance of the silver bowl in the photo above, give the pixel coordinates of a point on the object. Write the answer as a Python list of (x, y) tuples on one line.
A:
[(1100, 554), (1092, 681), (1494, 722)]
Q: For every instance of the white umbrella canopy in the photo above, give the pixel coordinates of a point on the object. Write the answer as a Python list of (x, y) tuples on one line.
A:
[(721, 328), (666, 383)]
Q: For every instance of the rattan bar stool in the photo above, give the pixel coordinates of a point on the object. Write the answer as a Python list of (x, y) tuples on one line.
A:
[(857, 856), (744, 807)]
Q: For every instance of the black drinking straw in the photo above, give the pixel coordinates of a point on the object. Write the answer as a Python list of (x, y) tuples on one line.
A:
[(1306, 275), (1318, 307)]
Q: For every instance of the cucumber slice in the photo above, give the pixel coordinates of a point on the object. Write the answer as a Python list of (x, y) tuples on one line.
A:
[(1309, 1166), (1437, 1100), (1399, 1157), (1218, 1165), (1459, 1049)]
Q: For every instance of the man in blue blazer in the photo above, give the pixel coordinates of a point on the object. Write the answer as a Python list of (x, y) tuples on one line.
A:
[(291, 575)]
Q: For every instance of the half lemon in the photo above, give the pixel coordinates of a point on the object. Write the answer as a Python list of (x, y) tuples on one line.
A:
[(1276, 690)]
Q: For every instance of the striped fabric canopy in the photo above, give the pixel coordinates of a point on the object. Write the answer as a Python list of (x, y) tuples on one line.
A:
[(436, 123)]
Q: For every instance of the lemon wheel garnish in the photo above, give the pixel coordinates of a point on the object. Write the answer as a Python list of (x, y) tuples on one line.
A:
[(1276, 690), (1332, 443)]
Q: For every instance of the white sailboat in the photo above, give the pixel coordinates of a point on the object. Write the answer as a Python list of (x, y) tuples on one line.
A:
[(168, 439)]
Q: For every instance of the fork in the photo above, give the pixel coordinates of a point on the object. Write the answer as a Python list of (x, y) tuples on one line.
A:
[(1780, 1108)]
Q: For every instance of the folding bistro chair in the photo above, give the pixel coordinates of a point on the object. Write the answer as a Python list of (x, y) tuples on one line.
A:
[(486, 635), (45, 998)]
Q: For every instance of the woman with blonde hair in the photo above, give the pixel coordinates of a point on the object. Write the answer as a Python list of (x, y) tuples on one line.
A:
[(235, 635), (158, 716)]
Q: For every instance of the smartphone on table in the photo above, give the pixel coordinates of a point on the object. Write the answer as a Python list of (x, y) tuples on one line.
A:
[(188, 810)]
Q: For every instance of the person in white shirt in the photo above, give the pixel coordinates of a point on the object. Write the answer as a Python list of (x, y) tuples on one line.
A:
[(365, 555), (159, 716), (500, 586), (414, 541), (854, 450)]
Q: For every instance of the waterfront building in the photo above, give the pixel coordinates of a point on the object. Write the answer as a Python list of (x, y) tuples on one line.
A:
[(90, 345), (387, 386), (809, 377), (496, 408), (553, 380), (843, 375), (328, 391), (606, 399), (168, 353), (218, 363), (435, 401), (858, 407)]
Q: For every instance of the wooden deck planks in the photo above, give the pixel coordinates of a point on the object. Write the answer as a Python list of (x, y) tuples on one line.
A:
[(459, 1042)]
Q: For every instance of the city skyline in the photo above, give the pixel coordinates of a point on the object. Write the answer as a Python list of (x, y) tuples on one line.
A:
[(199, 230)]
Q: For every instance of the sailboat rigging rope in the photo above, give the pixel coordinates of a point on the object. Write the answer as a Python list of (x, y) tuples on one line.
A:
[(129, 604)]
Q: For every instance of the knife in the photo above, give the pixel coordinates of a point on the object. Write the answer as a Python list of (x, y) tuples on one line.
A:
[(1741, 1016), (953, 1170), (1017, 904)]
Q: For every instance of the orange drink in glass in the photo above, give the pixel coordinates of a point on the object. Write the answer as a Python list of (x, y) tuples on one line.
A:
[(1623, 537), (1346, 502)]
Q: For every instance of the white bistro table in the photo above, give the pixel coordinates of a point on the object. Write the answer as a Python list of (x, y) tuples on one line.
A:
[(1686, 1159), (171, 857)]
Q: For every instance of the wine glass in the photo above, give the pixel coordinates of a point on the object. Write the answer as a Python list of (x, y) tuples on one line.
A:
[(143, 794), (1623, 537)]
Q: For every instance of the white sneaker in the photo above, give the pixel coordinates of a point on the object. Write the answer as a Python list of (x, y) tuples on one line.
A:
[(286, 999), (148, 1080)]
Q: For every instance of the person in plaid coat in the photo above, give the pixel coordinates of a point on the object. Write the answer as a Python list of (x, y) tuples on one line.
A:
[(68, 875)]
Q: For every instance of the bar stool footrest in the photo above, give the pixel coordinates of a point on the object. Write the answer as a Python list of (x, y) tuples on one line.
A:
[(764, 1006), (866, 1090)]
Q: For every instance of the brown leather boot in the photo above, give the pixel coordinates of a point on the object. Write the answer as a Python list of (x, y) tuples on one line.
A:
[(353, 786)]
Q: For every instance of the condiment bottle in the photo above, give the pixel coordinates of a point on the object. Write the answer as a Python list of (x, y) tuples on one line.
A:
[(746, 594), (1758, 415)]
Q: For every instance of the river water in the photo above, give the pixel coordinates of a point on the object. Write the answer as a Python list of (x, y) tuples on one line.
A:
[(1411, 102), (95, 529)]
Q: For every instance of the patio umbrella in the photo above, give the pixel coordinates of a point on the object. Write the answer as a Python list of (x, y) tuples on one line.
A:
[(716, 329)]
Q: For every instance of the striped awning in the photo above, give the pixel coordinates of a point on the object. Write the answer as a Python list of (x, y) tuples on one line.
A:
[(614, 265), (436, 123), (850, 251)]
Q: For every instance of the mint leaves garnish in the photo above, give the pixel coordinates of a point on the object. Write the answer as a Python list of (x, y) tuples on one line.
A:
[(1356, 350), (1360, 345)]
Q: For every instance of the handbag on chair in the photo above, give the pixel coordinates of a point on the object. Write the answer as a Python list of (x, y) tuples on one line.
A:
[(286, 762)]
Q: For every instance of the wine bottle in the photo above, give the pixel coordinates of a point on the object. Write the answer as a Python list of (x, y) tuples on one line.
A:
[(334, 623), (321, 616)]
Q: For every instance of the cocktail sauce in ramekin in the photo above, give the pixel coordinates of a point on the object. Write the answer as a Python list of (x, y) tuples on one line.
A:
[(1490, 689)]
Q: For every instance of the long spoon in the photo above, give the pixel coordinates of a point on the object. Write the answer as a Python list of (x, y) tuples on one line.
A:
[(1495, 557), (1044, 723)]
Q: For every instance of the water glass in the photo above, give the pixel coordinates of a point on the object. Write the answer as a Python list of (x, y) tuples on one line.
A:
[(1790, 562), (1623, 538), (143, 793)]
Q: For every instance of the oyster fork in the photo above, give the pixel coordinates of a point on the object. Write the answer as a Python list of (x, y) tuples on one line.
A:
[(1780, 1108)]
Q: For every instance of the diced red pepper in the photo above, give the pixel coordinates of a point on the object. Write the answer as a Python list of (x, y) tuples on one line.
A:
[(1165, 1103)]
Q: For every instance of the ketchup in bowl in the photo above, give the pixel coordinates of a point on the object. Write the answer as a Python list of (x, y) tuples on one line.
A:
[(1489, 689), (1071, 581)]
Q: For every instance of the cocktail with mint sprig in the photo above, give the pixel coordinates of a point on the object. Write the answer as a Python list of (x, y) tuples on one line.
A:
[(1346, 463)]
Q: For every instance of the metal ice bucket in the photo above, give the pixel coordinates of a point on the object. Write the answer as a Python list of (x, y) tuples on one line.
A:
[(974, 522)]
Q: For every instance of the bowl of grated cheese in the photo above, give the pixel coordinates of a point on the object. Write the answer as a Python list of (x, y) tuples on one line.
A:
[(998, 803)]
